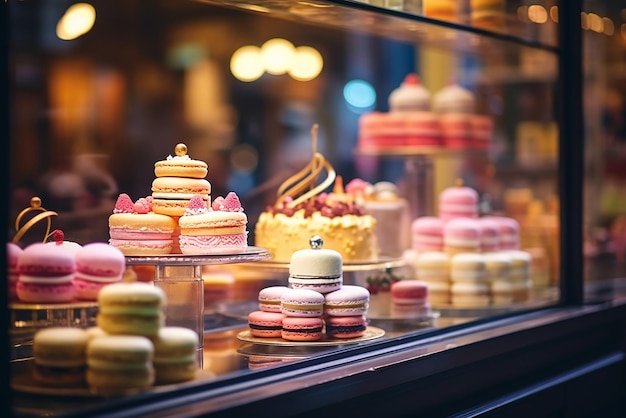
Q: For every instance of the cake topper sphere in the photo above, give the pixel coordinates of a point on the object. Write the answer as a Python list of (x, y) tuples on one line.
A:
[(180, 149), (316, 242), (35, 202)]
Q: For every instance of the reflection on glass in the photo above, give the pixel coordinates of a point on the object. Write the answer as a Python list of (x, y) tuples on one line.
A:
[(243, 90)]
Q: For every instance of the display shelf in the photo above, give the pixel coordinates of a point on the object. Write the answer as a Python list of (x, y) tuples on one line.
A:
[(416, 151), (391, 24), (22, 381), (220, 256), (347, 266), (180, 278)]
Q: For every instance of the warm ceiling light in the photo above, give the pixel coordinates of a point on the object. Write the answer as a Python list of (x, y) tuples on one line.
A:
[(609, 27), (246, 63), (78, 19), (554, 14), (537, 14), (277, 55), (595, 23), (584, 20), (307, 63)]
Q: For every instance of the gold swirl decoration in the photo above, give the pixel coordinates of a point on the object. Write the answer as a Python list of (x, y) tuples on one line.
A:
[(35, 206), (302, 185)]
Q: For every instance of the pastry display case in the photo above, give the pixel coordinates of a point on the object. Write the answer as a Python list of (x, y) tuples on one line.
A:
[(98, 92)]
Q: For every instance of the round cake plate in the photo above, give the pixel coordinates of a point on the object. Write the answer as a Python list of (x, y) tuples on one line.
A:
[(371, 333), (349, 266), (418, 320), (219, 256)]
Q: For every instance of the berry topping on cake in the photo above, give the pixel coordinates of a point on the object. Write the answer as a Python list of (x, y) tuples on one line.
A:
[(143, 205), (411, 79), (218, 203), (231, 203), (382, 283), (124, 204), (196, 206), (58, 236)]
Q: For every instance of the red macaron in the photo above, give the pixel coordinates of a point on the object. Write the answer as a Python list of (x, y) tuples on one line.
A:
[(346, 326), (302, 329), (265, 324)]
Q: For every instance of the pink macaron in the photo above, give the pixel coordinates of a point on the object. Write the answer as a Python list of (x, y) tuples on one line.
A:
[(269, 298), (489, 235), (346, 326), (509, 232), (409, 292), (302, 329), (427, 234), (46, 273), (13, 253), (302, 303), (461, 235), (265, 324), (97, 265), (458, 202), (350, 300)]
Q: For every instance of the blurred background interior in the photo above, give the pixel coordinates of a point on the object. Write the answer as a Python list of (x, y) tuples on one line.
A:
[(103, 90)]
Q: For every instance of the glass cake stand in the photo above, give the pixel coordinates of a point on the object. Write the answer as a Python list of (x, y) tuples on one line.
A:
[(180, 277)]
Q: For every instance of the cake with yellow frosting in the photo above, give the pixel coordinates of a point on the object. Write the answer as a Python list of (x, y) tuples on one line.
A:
[(303, 209)]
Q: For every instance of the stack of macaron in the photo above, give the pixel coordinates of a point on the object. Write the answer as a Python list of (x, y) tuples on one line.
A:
[(459, 230), (345, 312), (433, 268), (59, 273), (303, 310), (470, 285), (315, 305), (178, 179), (129, 348), (109, 363)]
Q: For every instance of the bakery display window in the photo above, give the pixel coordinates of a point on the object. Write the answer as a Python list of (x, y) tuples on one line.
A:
[(380, 155), (603, 40)]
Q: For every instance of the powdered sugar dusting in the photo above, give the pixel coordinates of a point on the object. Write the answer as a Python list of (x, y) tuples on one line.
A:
[(178, 157), (124, 204), (196, 206)]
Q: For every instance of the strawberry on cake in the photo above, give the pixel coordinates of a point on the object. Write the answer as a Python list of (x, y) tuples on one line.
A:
[(204, 230)]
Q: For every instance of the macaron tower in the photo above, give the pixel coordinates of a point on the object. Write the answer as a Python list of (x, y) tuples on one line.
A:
[(316, 304), (469, 260), (178, 179)]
